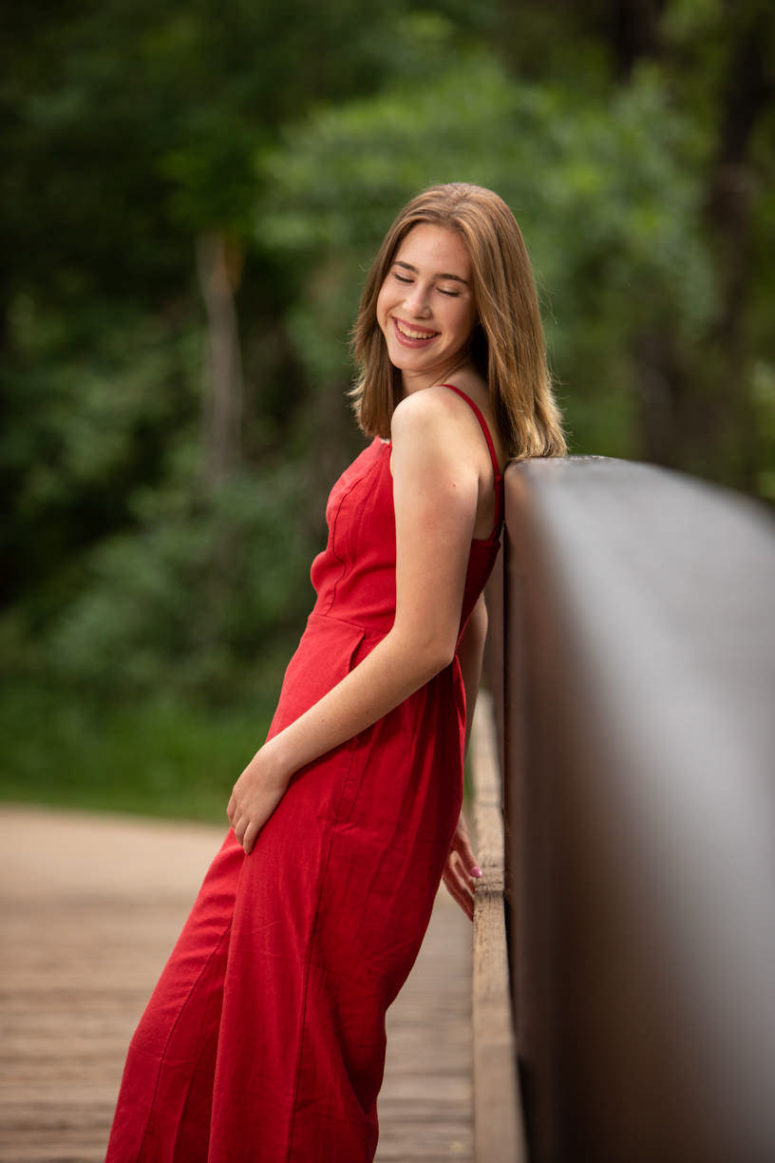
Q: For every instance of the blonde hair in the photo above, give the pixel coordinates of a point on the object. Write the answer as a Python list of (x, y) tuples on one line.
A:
[(508, 344)]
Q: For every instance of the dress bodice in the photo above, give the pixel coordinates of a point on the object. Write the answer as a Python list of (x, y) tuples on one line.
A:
[(355, 575)]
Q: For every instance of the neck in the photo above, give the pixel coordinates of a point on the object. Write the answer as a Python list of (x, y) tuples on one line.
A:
[(411, 384)]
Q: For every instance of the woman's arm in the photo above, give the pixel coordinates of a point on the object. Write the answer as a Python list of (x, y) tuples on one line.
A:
[(435, 462), (470, 653), (461, 869)]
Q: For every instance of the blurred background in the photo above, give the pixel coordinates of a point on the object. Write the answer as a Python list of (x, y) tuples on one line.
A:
[(190, 194)]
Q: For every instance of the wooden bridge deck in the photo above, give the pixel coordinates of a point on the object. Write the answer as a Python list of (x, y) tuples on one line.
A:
[(89, 908)]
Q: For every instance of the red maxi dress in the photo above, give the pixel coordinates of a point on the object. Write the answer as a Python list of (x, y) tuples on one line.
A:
[(264, 1040)]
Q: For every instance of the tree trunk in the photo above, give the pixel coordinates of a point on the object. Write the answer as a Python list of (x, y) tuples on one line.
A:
[(633, 32), (728, 214), (224, 393)]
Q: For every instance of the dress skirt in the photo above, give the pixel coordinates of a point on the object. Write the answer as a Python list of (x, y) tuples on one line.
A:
[(264, 1041)]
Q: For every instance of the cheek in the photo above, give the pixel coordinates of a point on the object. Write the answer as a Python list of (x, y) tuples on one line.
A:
[(382, 305)]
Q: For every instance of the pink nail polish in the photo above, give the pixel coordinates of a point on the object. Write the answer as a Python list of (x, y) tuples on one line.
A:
[(476, 871)]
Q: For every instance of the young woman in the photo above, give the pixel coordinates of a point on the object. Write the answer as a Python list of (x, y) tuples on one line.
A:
[(265, 1037)]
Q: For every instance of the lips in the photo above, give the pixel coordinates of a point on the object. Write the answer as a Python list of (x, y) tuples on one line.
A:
[(410, 336)]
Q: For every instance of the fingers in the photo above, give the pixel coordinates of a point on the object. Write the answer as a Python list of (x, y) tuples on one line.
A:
[(463, 898), (461, 844), (466, 854), (250, 836), (247, 820), (239, 817), (460, 883), (246, 831), (238, 827)]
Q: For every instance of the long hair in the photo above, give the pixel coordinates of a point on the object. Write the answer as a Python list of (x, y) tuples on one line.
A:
[(508, 347)]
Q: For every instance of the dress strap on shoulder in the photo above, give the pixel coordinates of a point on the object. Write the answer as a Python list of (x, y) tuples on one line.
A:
[(491, 446), (483, 425)]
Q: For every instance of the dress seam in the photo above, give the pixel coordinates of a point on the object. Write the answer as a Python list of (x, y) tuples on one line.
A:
[(366, 631), (343, 560)]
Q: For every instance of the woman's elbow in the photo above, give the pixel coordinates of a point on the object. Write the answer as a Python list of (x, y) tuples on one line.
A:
[(423, 650), (435, 654), (444, 657)]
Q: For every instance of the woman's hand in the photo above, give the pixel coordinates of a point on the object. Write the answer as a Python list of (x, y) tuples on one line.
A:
[(256, 794), (461, 871)]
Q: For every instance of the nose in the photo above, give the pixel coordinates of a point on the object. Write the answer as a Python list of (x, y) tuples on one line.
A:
[(416, 300)]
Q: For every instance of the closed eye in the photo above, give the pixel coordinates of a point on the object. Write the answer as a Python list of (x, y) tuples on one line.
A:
[(401, 278)]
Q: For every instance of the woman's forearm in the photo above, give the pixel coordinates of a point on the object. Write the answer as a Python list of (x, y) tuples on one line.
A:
[(394, 669)]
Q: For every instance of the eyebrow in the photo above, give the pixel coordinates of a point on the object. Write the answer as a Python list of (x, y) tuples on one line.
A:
[(440, 275)]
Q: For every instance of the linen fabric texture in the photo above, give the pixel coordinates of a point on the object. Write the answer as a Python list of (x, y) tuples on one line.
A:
[(264, 1040)]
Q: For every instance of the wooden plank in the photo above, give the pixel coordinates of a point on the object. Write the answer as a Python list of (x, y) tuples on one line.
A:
[(499, 1135), (425, 1106), (89, 909)]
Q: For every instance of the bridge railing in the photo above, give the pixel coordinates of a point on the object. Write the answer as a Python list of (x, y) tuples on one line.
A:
[(632, 669)]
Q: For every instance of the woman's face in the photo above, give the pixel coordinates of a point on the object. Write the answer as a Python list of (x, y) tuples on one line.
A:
[(426, 308)]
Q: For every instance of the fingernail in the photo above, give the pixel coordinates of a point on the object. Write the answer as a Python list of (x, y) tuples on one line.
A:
[(476, 871)]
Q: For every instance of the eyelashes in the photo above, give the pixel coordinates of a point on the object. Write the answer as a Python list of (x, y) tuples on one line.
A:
[(407, 280)]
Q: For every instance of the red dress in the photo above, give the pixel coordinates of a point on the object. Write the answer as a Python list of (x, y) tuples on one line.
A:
[(264, 1040)]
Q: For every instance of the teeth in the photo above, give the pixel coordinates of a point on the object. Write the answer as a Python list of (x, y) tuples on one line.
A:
[(415, 334)]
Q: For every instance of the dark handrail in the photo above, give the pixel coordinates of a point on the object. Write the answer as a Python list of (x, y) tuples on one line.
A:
[(636, 701)]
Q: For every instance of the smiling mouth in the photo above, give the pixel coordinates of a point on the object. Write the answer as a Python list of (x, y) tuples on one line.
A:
[(413, 334)]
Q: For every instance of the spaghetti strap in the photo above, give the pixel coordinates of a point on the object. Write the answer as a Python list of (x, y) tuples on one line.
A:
[(483, 424), (491, 446)]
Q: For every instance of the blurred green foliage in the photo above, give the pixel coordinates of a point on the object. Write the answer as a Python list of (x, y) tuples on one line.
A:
[(607, 203), (154, 757), (144, 598)]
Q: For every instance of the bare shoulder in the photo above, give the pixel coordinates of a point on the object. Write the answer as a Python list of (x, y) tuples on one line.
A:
[(428, 404), (436, 413)]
